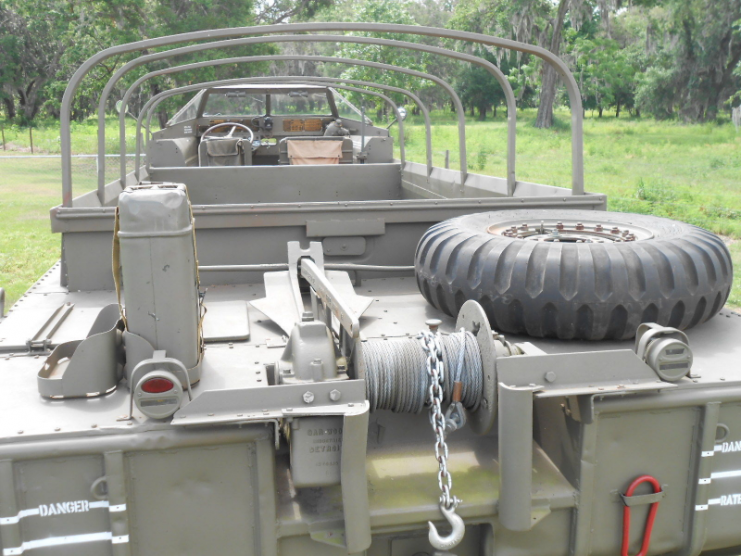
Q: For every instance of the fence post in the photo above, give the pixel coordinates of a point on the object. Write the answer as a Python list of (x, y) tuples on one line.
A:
[(30, 135), (447, 159)]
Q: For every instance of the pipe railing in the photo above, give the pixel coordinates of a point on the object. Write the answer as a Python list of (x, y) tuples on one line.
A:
[(491, 68), (149, 109), (241, 59), (548, 57), (377, 65)]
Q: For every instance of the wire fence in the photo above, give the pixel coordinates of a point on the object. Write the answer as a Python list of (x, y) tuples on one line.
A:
[(17, 170)]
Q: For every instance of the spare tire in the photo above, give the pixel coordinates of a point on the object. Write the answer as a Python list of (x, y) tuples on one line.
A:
[(575, 274)]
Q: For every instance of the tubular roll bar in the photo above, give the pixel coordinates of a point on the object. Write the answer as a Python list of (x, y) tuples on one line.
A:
[(312, 79), (350, 61), (150, 106), (548, 57), (491, 68)]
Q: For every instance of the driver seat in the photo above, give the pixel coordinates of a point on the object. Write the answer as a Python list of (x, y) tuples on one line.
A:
[(224, 151)]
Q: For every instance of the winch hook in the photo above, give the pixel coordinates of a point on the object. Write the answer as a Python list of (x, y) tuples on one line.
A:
[(455, 536)]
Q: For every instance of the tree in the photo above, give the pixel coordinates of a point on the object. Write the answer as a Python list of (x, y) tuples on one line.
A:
[(380, 11), (32, 47), (697, 50), (478, 88), (548, 84)]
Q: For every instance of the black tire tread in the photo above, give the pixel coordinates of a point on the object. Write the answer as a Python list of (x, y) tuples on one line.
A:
[(681, 277)]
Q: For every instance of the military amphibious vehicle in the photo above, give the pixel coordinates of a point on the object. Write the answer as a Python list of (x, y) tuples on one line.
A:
[(276, 337)]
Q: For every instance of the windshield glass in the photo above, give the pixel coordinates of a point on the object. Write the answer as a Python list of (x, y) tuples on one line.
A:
[(187, 112), (299, 102), (347, 109), (234, 103)]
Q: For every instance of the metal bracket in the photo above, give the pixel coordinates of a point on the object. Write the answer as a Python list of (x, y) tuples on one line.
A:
[(332, 300), (41, 341), (243, 405), (643, 499), (83, 368)]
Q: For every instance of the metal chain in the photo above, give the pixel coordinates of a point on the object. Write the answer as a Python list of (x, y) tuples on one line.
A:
[(436, 376)]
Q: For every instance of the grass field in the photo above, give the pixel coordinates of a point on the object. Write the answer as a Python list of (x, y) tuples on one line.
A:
[(687, 172)]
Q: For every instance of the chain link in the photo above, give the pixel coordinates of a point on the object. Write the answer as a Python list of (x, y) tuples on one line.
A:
[(436, 376)]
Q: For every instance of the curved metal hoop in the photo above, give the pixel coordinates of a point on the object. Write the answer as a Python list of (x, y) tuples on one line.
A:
[(559, 65)]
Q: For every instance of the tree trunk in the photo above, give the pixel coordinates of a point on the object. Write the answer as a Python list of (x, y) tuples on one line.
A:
[(548, 85), (9, 103), (617, 110), (599, 111), (495, 111), (452, 106), (482, 112), (723, 82)]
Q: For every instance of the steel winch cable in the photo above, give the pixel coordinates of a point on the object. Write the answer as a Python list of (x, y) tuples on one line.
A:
[(397, 377)]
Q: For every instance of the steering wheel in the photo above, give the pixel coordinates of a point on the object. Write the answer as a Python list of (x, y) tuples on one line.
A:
[(234, 125)]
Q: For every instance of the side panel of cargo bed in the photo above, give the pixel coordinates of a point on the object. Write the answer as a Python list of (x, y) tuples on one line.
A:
[(148, 494)]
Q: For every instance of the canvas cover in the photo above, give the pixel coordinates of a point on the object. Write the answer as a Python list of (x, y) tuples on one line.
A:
[(314, 152)]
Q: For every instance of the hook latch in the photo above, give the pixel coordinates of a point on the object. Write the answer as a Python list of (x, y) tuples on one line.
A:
[(456, 534)]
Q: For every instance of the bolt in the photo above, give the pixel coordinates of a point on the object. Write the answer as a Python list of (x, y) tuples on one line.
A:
[(559, 225), (550, 376), (598, 227), (615, 230), (308, 397), (433, 324), (335, 395), (579, 226)]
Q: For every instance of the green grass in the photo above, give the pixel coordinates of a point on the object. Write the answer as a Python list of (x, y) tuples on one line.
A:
[(46, 137), (687, 172), (30, 187)]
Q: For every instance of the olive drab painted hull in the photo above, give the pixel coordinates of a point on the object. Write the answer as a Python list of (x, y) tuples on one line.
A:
[(248, 351)]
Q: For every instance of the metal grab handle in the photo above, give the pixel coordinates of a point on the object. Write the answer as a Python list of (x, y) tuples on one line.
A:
[(455, 536), (649, 520)]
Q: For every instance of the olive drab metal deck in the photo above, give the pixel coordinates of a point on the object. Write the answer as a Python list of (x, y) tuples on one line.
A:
[(274, 337)]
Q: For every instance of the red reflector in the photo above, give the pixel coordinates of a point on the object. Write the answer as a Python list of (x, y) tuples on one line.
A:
[(157, 385)]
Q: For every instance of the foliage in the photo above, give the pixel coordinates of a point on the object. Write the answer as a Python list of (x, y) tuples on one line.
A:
[(668, 58), (378, 11), (695, 49)]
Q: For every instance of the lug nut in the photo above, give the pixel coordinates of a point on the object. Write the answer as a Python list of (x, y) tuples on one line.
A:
[(335, 395), (308, 397), (579, 226), (559, 225), (615, 230), (598, 227)]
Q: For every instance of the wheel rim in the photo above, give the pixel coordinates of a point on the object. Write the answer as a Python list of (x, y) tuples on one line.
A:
[(564, 231)]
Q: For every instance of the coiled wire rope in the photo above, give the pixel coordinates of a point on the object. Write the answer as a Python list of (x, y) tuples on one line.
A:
[(397, 377)]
